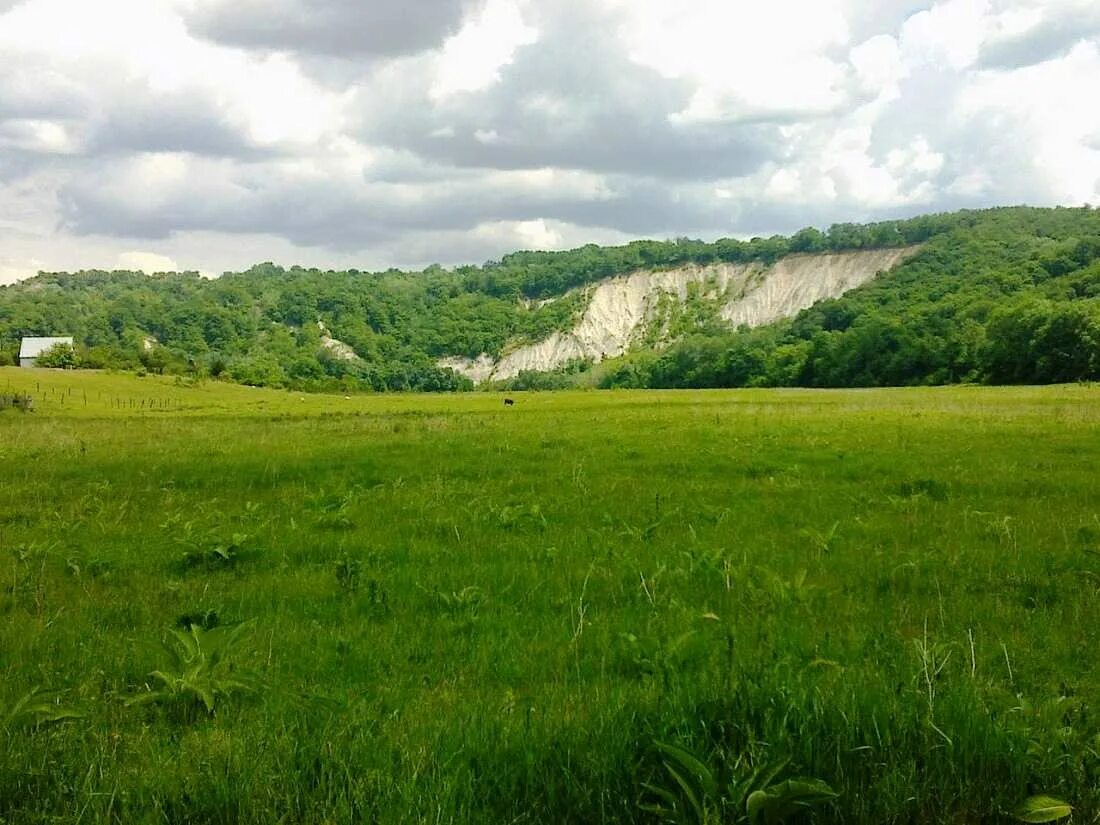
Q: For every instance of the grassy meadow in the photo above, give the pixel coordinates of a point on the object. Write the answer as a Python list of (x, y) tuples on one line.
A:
[(438, 609)]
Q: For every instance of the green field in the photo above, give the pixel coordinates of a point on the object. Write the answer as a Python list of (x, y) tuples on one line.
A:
[(457, 612)]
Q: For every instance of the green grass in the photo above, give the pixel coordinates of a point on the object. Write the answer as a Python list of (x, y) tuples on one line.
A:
[(458, 612)]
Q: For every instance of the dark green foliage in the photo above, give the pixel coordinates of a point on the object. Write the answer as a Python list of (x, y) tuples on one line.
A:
[(204, 619), (694, 794), (349, 573), (213, 555), (200, 671), (565, 376), (540, 274), (1006, 296), (36, 707)]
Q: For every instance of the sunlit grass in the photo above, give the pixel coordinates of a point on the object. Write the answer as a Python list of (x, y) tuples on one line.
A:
[(462, 612)]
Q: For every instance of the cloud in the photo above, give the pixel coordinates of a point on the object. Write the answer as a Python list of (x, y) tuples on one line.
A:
[(187, 121), (744, 61), (343, 28), (574, 99), (31, 86), (33, 136), (48, 111), (160, 89), (487, 241), (866, 20), (472, 59), (154, 195), (1042, 34), (1005, 136), (148, 262), (333, 132)]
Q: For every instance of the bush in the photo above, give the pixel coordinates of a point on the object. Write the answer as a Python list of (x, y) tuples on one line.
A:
[(59, 356)]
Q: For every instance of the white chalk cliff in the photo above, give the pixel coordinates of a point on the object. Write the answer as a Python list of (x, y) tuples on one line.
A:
[(622, 309)]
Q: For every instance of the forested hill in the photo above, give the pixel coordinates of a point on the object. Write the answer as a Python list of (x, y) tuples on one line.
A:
[(1003, 295), (1007, 296)]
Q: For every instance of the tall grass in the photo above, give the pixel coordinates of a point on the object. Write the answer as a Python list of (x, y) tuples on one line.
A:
[(464, 613)]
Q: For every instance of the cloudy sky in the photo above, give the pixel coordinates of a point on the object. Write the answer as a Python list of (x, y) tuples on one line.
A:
[(213, 134)]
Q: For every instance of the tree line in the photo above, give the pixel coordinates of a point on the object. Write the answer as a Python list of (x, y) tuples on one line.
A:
[(1003, 295)]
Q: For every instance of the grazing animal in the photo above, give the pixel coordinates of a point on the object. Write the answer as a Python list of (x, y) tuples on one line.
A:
[(508, 402)]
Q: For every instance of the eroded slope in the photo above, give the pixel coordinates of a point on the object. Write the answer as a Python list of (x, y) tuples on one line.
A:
[(621, 310)]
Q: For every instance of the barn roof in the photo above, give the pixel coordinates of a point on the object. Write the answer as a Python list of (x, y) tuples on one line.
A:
[(33, 347)]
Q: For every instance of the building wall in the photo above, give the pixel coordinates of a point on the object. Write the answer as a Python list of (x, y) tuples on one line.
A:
[(27, 362)]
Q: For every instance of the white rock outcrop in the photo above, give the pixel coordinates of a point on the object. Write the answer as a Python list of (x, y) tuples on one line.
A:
[(334, 346), (338, 349), (620, 309)]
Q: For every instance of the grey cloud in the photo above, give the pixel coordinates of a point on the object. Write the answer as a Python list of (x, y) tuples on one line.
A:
[(341, 28), (572, 100), (764, 218), (1051, 38), (348, 214), (415, 250), (31, 88), (392, 165), (21, 164), (142, 121), (567, 102), (105, 113)]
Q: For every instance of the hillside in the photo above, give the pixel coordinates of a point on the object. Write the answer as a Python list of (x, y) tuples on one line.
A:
[(640, 310), (1001, 295)]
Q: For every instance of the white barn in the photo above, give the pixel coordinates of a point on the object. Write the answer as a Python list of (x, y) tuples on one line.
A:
[(31, 348)]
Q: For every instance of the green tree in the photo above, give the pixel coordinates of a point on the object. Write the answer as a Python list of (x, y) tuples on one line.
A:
[(59, 356)]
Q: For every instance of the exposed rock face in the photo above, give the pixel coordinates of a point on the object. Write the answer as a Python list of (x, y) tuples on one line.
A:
[(620, 309), (476, 369), (797, 282), (337, 348)]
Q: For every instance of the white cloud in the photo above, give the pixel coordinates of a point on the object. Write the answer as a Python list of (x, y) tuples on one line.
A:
[(473, 58), (918, 157), (536, 234), (785, 184), (950, 33), (878, 65), (745, 59), (214, 133), (1042, 107), (83, 51), (12, 270), (148, 262)]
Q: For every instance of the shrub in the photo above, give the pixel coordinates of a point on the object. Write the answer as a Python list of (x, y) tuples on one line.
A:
[(59, 356)]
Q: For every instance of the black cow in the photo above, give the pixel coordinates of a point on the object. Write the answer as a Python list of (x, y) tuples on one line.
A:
[(508, 402)]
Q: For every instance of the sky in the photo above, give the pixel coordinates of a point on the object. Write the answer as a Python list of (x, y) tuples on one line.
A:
[(213, 134)]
